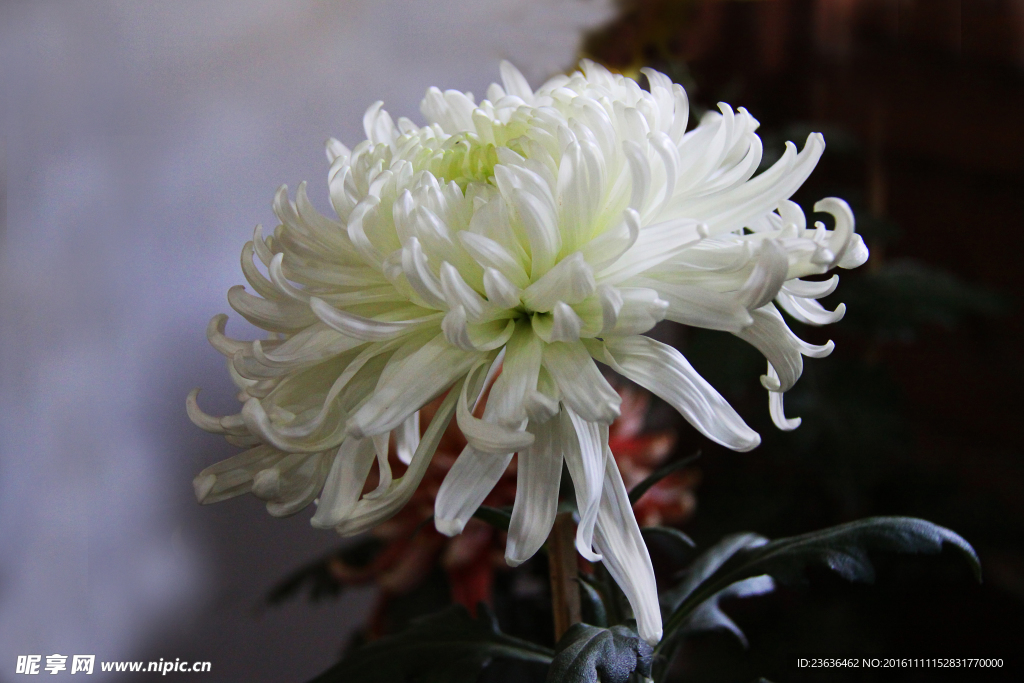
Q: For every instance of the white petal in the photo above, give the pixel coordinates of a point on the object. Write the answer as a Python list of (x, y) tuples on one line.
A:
[(377, 124), (233, 477), (767, 277), (514, 82), (775, 407), (809, 289), (842, 238), (480, 337), (664, 372), (539, 474), (283, 315), (809, 311), (583, 445), (368, 513), (422, 279), (541, 224), (519, 372), (500, 290), (571, 281), (218, 340), (624, 553), (700, 307), (465, 486), (336, 150), (609, 246), (561, 325), (770, 335), (381, 446), (458, 293), (583, 387), (344, 482), (365, 329), (488, 436), (640, 173), (407, 438), (299, 485), (412, 382), (490, 254), (640, 310)]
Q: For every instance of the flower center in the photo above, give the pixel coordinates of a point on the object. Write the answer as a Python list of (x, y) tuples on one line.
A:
[(464, 159)]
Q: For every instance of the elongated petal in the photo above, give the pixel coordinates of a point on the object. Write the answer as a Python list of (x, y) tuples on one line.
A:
[(663, 371), (485, 436), (519, 373), (368, 513), (581, 384), (465, 486), (583, 445), (413, 381), (407, 438), (809, 311), (571, 281), (275, 315), (770, 335), (365, 329), (775, 406), (624, 553), (344, 482), (700, 307), (539, 474), (233, 477)]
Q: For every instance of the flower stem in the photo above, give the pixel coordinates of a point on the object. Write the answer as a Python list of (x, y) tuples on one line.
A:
[(565, 593)]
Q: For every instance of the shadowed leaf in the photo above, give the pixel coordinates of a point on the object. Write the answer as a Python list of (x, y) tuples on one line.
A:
[(592, 604), (841, 548), (588, 654)]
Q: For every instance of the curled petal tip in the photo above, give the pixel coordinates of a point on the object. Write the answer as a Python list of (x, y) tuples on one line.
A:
[(267, 484), (202, 485)]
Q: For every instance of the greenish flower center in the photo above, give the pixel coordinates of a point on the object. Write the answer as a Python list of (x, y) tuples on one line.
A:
[(463, 158)]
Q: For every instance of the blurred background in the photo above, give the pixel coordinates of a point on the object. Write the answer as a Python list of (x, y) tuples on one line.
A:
[(142, 141)]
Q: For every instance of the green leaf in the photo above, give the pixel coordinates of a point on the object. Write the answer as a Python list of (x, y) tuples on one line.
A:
[(674, 536), (592, 603), (842, 548), (657, 475), (708, 616), (446, 647), (589, 654), (497, 517)]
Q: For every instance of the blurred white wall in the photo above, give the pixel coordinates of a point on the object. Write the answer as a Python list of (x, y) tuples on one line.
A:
[(142, 141)]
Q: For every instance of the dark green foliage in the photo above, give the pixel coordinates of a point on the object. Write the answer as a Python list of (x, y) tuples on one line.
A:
[(589, 654), (843, 549), (669, 535), (708, 616), (446, 647), (592, 604)]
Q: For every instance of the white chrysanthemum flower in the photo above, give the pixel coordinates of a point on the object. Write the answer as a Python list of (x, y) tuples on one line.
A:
[(535, 232)]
